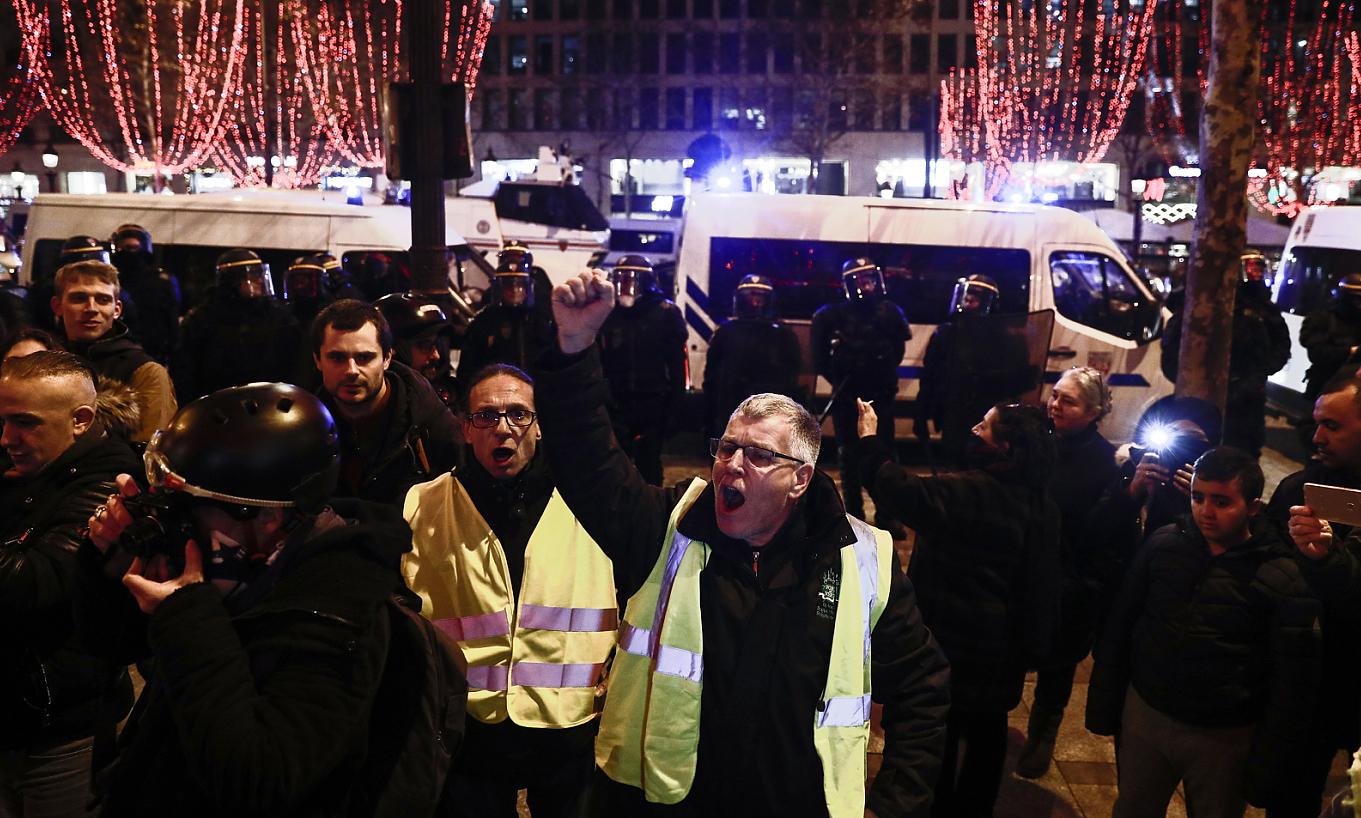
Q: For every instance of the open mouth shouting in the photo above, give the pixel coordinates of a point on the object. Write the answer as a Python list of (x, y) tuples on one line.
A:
[(502, 455), (730, 498)]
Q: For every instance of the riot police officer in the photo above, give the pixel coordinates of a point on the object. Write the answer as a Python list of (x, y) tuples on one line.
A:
[(1331, 334), (750, 353), (1260, 347), (420, 334), (155, 292), (858, 343), (240, 334), (941, 394), (306, 286), (515, 328), (642, 352)]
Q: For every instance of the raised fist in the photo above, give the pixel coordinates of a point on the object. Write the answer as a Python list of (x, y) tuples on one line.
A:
[(580, 307)]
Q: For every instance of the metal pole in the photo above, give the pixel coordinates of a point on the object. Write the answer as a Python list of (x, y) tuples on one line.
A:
[(429, 266)]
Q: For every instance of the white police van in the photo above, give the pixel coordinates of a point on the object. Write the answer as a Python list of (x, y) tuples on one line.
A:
[(1042, 258), (1324, 246)]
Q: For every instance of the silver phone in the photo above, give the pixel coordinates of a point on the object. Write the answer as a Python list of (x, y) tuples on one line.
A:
[(1334, 503)]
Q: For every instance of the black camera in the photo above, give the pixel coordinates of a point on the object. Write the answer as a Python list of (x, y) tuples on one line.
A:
[(160, 525)]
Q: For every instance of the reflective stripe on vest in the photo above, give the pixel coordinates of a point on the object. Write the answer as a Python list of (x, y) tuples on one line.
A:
[(534, 653), (670, 660)]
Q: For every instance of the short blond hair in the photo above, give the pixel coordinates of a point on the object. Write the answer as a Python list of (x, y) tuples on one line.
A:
[(107, 273)]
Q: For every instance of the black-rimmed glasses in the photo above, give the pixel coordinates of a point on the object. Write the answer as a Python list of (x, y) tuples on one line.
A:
[(488, 418), (723, 450)]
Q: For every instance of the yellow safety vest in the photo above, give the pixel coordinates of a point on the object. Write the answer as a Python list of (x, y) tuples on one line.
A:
[(649, 734), (535, 656)]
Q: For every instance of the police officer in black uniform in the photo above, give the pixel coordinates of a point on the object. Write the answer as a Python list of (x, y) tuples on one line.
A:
[(155, 291), (750, 353), (642, 350), (307, 288), (239, 335), (941, 397), (517, 326), (420, 335), (858, 343), (1331, 335)]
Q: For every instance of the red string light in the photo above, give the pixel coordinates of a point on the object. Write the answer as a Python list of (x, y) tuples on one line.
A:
[(19, 101), (1166, 81), (1054, 81), (158, 106)]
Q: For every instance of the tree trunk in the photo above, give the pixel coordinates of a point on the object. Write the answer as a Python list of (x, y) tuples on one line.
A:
[(1226, 134)]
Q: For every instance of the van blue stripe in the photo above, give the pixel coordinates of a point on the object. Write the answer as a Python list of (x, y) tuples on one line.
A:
[(697, 323), (696, 295)]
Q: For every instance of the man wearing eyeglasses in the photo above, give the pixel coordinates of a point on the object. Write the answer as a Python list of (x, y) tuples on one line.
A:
[(761, 619), (502, 565), (394, 430)]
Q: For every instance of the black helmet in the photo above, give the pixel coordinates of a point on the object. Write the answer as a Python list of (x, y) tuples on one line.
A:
[(1253, 266), (242, 273), (633, 277), (861, 278), (268, 445), (975, 295), (411, 315), (1348, 289), (83, 248), (307, 276), (754, 298), (513, 281), (132, 231)]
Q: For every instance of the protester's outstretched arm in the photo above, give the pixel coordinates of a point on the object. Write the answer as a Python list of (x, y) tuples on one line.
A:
[(624, 514), (909, 498)]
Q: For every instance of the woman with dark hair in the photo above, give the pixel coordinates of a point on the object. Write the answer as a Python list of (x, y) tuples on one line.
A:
[(26, 341), (987, 574)]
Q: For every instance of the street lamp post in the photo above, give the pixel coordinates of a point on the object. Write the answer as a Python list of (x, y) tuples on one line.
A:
[(50, 159)]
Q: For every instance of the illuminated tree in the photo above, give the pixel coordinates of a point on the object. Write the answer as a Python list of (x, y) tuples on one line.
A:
[(19, 99)]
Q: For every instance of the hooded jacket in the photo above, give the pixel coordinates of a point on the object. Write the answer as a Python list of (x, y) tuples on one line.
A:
[(117, 356), (256, 704), (767, 629), (43, 668)]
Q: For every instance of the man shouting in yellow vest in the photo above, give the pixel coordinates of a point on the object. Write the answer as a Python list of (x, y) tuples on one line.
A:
[(503, 567), (761, 618)]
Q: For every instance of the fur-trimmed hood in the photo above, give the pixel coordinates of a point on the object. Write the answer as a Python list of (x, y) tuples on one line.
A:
[(116, 407)]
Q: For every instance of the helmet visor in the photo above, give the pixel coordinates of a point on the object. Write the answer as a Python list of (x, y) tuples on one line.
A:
[(754, 301), (863, 282), (161, 477), (515, 289), (973, 298)]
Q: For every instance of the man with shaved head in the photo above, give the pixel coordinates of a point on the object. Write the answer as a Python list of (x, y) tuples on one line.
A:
[(58, 465)]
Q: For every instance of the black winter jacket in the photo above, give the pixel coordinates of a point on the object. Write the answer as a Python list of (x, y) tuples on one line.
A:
[(229, 341), (421, 441), (748, 356), (1328, 335), (43, 669), (985, 566), (505, 335), (1214, 641), (766, 647), (157, 294), (259, 708), (1261, 342), (642, 352), (861, 344)]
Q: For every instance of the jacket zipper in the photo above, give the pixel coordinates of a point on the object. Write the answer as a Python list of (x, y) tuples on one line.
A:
[(756, 561)]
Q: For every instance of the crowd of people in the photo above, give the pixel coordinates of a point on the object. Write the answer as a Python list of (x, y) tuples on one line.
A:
[(357, 581)]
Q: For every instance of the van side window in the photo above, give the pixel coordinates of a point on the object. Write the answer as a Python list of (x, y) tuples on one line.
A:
[(1093, 289), (920, 278), (1308, 276)]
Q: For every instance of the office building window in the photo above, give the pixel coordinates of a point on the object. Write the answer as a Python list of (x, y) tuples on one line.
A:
[(571, 113), (704, 10), (491, 56), (862, 107), (810, 9), (949, 9), (947, 52), (595, 9), (783, 51), (543, 55), (863, 46), (971, 52), (571, 55), (519, 9), (891, 112), (893, 54), (543, 9), (918, 113), (675, 9), (598, 109), (597, 47), (757, 9), (919, 55), (729, 52), (623, 9), (495, 9), (675, 53), (702, 110), (647, 109), (649, 52), (621, 57), (729, 109), (756, 53), (569, 9), (781, 107), (702, 49), (838, 113), (493, 109), (519, 54), (647, 9), (624, 105), (675, 109), (783, 9), (518, 109), (729, 9), (544, 119)]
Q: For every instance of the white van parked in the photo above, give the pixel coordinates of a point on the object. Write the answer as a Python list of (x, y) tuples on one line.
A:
[(1324, 246), (1042, 258)]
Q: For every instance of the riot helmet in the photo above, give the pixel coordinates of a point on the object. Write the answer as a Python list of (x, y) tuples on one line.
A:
[(1253, 267), (861, 278), (124, 235), (306, 278), (83, 248), (633, 277), (513, 280), (974, 295), (242, 274), (262, 445), (411, 315), (754, 298), (1347, 293)]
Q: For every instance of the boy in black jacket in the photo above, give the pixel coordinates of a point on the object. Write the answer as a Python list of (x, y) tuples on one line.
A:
[(1216, 637)]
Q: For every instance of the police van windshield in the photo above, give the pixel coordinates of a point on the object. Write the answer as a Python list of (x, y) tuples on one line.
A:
[(1308, 275), (659, 243), (554, 205), (919, 278)]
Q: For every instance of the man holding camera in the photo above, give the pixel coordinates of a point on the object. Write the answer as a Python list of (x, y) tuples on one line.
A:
[(58, 465), (264, 603)]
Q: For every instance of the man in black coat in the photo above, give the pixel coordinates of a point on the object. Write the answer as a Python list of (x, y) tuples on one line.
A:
[(59, 465), (1331, 334), (156, 292), (857, 346), (265, 608), (517, 327), (1210, 660), (394, 430), (752, 352), (1336, 462), (773, 528)]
